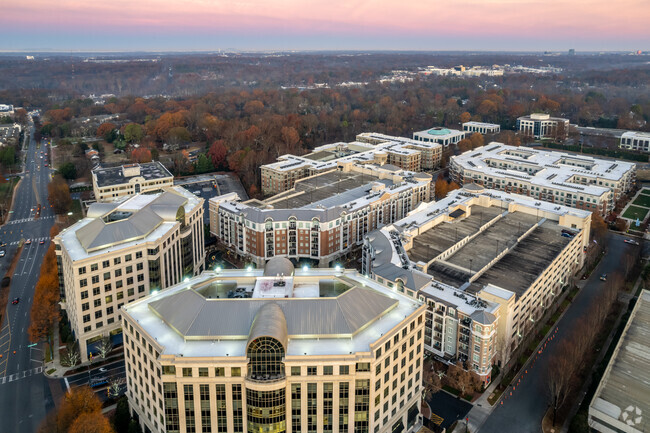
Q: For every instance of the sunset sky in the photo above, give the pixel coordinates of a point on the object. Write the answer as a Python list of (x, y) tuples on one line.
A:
[(169, 25)]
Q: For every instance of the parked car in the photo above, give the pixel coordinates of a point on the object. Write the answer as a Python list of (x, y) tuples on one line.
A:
[(603, 277), (2, 253), (631, 241)]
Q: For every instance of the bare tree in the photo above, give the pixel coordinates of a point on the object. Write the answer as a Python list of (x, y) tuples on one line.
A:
[(561, 368), (71, 356), (105, 346), (462, 379), (115, 386)]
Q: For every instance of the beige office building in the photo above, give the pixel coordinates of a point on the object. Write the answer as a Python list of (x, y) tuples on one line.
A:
[(540, 125), (123, 251), (113, 182), (487, 263), (275, 350)]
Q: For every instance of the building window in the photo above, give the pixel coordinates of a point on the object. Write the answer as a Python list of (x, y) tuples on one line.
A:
[(187, 372), (312, 371), (295, 371), (219, 371), (344, 369), (203, 372), (235, 371)]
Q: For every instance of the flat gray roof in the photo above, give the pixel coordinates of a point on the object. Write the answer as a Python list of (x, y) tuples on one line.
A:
[(113, 175), (518, 269), (530, 257), (624, 390), (434, 241), (334, 188)]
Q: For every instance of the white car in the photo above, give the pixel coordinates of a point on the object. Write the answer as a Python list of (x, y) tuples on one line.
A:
[(631, 241), (2, 253)]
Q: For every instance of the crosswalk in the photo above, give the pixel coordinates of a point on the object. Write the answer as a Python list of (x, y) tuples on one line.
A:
[(26, 220), (34, 241), (23, 374)]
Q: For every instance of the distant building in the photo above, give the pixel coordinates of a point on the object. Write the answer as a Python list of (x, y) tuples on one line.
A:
[(572, 52), (464, 71), (443, 136), (275, 350), (579, 181), (322, 217), (9, 134), (129, 179), (123, 251), (635, 140), (6, 110), (488, 264), (540, 125), (482, 128), (621, 403)]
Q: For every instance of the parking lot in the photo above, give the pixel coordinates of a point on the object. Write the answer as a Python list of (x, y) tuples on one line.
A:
[(212, 185)]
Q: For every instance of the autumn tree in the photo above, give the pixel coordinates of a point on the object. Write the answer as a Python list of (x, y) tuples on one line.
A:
[(45, 309), (452, 186), (93, 422), (217, 154), (141, 155), (465, 117), (463, 380), (77, 402), (464, 145), (440, 187), (477, 140), (105, 128), (598, 228), (178, 135), (59, 195)]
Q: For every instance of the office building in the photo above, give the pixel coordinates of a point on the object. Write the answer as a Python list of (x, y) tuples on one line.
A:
[(635, 140), (123, 251), (370, 148), (620, 403), (487, 263), (113, 182), (579, 181), (442, 136), (322, 217), (275, 350), (481, 127), (540, 125)]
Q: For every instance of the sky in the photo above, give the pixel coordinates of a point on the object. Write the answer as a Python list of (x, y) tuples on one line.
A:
[(255, 25)]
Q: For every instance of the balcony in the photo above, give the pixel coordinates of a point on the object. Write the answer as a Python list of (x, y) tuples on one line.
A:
[(266, 378), (292, 226), (438, 320), (438, 328)]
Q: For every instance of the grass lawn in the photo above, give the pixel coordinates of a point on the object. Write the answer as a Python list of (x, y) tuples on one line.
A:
[(76, 210), (642, 200), (634, 212)]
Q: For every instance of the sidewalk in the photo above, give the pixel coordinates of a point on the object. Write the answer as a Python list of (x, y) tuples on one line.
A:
[(61, 370)]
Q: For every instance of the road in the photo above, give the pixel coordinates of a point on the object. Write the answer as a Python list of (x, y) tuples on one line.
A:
[(25, 395), (523, 412), (112, 372)]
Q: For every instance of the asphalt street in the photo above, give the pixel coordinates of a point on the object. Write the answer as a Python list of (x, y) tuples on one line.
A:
[(523, 412), (25, 395)]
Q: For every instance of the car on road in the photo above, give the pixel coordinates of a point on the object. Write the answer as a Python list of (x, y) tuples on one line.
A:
[(15, 301), (3, 244), (631, 242), (41, 242), (28, 241), (2, 253), (97, 381), (603, 277), (103, 370), (46, 164)]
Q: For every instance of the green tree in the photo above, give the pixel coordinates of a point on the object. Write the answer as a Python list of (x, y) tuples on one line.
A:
[(203, 164), (133, 133), (134, 427), (68, 171), (122, 417)]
